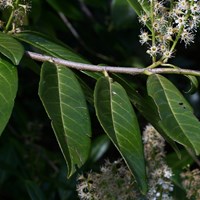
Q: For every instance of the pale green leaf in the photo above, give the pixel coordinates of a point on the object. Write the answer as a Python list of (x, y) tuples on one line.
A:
[(11, 48), (65, 105), (119, 121), (176, 115), (8, 90)]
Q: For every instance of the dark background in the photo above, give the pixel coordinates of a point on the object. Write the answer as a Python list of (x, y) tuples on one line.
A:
[(106, 33)]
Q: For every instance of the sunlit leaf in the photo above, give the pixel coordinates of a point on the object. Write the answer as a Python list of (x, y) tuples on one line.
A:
[(119, 121), (8, 90), (65, 105), (11, 48), (176, 115)]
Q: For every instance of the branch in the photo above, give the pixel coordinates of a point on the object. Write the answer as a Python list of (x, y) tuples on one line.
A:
[(112, 69)]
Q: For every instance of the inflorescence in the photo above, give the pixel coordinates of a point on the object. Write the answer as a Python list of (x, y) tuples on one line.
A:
[(115, 180), (18, 10), (168, 22)]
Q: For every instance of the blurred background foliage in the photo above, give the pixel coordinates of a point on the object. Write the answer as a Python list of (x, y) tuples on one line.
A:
[(102, 31)]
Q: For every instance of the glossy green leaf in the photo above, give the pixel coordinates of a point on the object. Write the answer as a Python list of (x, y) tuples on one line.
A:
[(176, 115), (56, 49), (65, 105), (11, 48), (119, 121), (8, 90)]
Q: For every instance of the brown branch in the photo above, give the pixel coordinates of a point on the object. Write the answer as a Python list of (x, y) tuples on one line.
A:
[(112, 69)]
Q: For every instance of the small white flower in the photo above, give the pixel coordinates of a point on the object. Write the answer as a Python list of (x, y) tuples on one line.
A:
[(153, 50), (144, 37)]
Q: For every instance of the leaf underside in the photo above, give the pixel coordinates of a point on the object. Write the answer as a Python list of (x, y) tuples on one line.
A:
[(176, 115), (119, 121), (65, 105)]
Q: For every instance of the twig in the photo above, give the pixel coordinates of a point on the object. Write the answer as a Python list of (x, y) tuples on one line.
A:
[(112, 69)]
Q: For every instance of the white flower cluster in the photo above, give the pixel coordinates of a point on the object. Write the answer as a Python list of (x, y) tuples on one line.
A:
[(168, 21), (115, 180), (191, 183), (6, 4), (18, 11), (159, 174)]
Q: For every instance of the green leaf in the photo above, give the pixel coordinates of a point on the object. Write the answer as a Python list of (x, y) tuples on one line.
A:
[(119, 121), (179, 164), (65, 105), (11, 48), (194, 84), (176, 115), (51, 47), (56, 49), (8, 90)]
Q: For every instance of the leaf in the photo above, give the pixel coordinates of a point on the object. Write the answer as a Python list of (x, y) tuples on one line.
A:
[(179, 164), (56, 49), (65, 105), (11, 48), (176, 115), (119, 121), (8, 90), (194, 84)]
